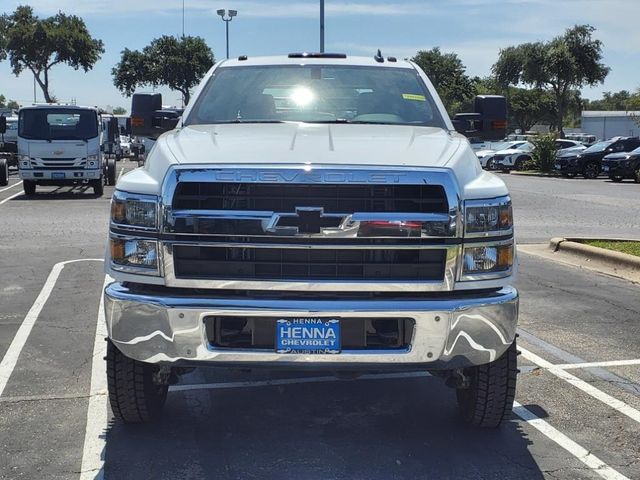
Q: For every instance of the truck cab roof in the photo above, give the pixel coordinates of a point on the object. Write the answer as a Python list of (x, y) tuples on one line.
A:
[(310, 59)]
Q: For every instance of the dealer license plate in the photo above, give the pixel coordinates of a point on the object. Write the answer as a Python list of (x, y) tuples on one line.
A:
[(57, 175), (308, 335)]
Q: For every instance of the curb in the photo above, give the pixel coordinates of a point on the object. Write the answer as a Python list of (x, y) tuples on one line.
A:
[(535, 174), (616, 260)]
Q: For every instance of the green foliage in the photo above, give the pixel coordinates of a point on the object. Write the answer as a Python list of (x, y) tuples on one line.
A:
[(179, 63), (622, 100), (528, 107), (567, 62), (119, 111), (447, 73), (36, 44), (544, 154), (11, 104), (628, 247)]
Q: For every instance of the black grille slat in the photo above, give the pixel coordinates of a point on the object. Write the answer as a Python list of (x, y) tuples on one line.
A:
[(218, 262), (333, 198)]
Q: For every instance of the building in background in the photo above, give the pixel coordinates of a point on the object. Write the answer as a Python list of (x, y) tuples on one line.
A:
[(608, 124)]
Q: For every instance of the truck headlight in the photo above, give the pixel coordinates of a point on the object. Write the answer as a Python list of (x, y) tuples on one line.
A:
[(480, 262), (135, 255), (484, 218), (133, 211), (24, 161), (92, 161)]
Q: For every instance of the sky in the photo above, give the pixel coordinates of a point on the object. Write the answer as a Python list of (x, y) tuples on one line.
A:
[(474, 29)]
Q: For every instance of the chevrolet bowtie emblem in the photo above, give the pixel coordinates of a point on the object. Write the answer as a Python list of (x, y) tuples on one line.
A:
[(306, 220)]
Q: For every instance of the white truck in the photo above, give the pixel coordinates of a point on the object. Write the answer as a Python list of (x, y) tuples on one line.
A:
[(61, 145), (311, 211)]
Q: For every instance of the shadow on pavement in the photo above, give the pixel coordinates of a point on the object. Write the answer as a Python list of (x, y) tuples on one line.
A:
[(364, 429)]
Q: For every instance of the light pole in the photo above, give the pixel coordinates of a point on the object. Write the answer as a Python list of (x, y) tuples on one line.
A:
[(226, 19), (321, 26)]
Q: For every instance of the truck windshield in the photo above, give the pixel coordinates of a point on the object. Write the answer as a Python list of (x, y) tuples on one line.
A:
[(315, 94), (58, 124)]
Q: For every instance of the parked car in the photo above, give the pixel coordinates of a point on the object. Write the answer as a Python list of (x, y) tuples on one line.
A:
[(486, 156), (588, 162), (622, 165), (584, 138), (513, 157)]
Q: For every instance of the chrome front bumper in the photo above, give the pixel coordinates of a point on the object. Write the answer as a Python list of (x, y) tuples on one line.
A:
[(451, 330)]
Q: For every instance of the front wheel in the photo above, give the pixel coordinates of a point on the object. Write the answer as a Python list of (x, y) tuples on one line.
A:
[(98, 186), (616, 179), (133, 395), (591, 170), (4, 172), (636, 175), (491, 164), (29, 187), (488, 400)]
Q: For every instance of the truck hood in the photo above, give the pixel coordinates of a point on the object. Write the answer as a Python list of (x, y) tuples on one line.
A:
[(296, 143), (57, 149)]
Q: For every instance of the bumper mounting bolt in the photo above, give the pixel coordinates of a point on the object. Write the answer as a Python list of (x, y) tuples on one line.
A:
[(437, 318)]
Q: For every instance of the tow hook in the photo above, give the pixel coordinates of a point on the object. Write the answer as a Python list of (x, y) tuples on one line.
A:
[(457, 379)]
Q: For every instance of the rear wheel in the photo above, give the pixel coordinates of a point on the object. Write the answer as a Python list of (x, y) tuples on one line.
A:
[(489, 398), (616, 179), (491, 164), (133, 395), (636, 175), (591, 170), (29, 187), (111, 171), (521, 163), (4, 172)]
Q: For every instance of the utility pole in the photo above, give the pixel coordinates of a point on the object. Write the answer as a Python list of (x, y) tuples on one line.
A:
[(226, 19), (321, 26)]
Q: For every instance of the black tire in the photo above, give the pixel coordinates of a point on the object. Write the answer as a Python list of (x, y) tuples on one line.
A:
[(636, 175), (111, 171), (29, 187), (4, 172), (133, 396), (591, 170), (521, 162), (98, 186), (616, 179), (489, 399), (491, 164)]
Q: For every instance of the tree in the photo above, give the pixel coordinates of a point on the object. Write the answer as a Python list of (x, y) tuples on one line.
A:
[(119, 111), (622, 100), (179, 64), (11, 104), (528, 107), (567, 62), (447, 73), (36, 44)]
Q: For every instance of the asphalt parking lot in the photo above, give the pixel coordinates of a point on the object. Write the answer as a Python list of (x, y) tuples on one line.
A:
[(577, 415)]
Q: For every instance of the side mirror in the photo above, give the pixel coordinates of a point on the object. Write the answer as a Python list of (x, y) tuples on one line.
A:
[(3, 124), (148, 119)]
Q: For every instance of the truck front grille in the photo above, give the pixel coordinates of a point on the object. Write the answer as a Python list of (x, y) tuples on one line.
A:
[(311, 264), (331, 198)]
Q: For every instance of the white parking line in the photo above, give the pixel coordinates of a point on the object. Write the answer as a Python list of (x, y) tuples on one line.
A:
[(17, 344), (10, 186), (120, 174), (581, 453), (589, 389), (95, 441), (10, 197), (610, 363)]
